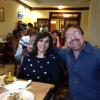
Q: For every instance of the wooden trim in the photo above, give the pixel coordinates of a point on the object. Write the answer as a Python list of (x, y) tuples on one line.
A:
[(55, 8), (51, 13), (69, 19), (25, 5)]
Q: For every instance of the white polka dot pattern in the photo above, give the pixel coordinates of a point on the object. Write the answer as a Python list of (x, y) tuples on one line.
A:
[(28, 59)]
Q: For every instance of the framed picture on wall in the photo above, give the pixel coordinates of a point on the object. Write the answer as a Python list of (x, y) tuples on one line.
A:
[(1, 14)]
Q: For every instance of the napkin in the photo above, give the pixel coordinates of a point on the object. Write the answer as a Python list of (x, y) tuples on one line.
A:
[(18, 85)]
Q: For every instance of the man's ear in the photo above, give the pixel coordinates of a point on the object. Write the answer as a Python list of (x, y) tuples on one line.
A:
[(83, 36)]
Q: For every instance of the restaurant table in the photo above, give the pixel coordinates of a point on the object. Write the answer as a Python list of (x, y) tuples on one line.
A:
[(41, 91), (3, 43)]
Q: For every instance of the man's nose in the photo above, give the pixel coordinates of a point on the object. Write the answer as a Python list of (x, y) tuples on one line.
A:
[(72, 36)]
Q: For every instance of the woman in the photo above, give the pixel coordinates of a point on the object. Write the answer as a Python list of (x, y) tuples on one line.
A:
[(58, 41), (42, 64)]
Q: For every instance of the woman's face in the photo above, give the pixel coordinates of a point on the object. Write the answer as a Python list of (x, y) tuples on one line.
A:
[(54, 35), (43, 44)]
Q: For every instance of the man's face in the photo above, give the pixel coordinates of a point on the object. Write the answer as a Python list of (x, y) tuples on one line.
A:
[(74, 38), (33, 37)]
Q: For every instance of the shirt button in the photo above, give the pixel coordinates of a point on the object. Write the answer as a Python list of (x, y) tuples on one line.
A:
[(38, 61), (34, 71), (24, 68), (30, 64), (48, 62), (28, 59), (54, 57), (41, 66), (27, 74), (45, 73), (38, 77)]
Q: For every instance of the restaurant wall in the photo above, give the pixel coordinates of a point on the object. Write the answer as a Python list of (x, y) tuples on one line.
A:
[(45, 14), (11, 13), (84, 23), (94, 22), (10, 16)]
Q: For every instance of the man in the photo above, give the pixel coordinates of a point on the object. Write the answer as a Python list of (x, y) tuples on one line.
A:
[(26, 42), (83, 63)]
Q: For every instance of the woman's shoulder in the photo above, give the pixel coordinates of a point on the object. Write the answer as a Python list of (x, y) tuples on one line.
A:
[(29, 55), (59, 51)]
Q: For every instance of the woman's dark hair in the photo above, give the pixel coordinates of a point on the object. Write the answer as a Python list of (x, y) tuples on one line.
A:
[(57, 32), (41, 36), (75, 26), (30, 24)]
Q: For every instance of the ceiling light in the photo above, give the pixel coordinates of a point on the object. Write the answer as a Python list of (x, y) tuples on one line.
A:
[(60, 7)]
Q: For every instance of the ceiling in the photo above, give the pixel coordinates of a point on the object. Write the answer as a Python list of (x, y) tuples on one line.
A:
[(55, 3)]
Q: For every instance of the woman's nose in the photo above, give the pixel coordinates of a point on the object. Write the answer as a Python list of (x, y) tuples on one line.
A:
[(43, 43)]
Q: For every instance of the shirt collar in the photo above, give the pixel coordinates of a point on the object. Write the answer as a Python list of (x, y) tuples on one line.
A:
[(88, 48)]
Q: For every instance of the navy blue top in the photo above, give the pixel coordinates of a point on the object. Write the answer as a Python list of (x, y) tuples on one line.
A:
[(41, 69), (84, 73)]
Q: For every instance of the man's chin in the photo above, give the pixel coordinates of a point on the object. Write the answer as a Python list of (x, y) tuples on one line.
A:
[(76, 48)]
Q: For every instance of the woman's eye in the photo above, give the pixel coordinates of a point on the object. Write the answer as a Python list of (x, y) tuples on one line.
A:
[(40, 40), (47, 41)]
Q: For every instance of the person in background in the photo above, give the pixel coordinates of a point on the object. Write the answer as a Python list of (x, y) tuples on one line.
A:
[(83, 63), (26, 42), (57, 39), (43, 28), (36, 27), (9, 37), (19, 26), (42, 64), (30, 28)]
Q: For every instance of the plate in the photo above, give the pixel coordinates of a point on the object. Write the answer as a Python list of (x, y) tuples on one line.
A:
[(17, 95), (18, 85), (2, 83)]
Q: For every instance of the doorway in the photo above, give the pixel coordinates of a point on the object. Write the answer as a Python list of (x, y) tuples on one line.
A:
[(59, 19)]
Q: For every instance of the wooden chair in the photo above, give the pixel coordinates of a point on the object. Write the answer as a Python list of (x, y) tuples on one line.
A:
[(2, 54), (2, 59), (9, 51), (16, 63)]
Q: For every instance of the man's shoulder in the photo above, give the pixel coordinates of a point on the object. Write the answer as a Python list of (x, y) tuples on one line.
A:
[(97, 51), (62, 52)]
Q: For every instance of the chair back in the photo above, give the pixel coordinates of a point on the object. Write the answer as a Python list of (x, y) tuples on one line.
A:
[(15, 45)]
